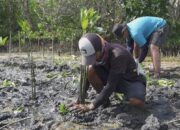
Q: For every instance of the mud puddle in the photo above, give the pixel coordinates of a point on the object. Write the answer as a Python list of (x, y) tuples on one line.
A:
[(57, 84)]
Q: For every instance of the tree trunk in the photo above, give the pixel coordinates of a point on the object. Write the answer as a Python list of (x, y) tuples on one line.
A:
[(72, 45), (10, 38), (27, 13), (43, 50), (52, 49), (38, 45), (59, 50), (19, 38), (10, 43)]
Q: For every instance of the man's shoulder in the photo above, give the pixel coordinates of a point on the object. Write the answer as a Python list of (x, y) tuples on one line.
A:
[(118, 50), (115, 45)]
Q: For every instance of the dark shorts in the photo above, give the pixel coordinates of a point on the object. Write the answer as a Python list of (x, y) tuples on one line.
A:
[(159, 36), (130, 89)]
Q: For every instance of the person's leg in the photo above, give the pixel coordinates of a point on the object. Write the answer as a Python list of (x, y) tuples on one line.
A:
[(97, 76), (157, 39), (136, 102), (135, 93), (155, 54), (94, 79)]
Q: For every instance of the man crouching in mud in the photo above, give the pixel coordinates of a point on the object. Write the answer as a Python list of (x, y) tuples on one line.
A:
[(111, 68)]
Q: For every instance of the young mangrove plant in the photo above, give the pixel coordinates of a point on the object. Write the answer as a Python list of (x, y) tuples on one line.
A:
[(83, 84), (62, 109), (33, 80), (89, 18), (28, 34), (7, 83)]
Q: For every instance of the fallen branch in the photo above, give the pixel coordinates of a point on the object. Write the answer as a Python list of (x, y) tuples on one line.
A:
[(67, 98), (66, 84), (54, 77), (172, 121), (15, 122)]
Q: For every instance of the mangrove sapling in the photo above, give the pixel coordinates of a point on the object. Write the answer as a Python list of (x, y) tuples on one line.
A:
[(33, 80), (89, 18), (83, 84), (32, 64)]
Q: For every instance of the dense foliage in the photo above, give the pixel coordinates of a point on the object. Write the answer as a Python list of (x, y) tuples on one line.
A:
[(60, 20)]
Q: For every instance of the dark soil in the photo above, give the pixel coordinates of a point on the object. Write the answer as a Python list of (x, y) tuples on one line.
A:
[(55, 84)]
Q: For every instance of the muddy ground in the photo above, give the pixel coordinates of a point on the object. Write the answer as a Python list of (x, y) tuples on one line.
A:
[(57, 84)]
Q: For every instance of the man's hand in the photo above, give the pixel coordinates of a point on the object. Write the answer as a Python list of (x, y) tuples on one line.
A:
[(81, 107), (140, 70)]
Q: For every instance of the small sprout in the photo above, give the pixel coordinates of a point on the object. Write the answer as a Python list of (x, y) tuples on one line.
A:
[(51, 75), (7, 83), (3, 41), (65, 74), (119, 96), (62, 109), (165, 82), (18, 110)]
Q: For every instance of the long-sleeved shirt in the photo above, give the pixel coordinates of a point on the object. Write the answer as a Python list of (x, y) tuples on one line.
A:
[(120, 65)]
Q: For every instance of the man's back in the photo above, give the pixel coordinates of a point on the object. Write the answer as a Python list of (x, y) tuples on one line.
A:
[(142, 27), (121, 62)]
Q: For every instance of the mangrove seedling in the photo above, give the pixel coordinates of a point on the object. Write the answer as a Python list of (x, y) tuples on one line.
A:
[(7, 83), (19, 110), (83, 84), (62, 109), (33, 80), (119, 96)]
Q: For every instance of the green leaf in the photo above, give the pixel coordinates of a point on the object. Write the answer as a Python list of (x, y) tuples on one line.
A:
[(3, 41), (165, 82), (84, 24), (51, 75), (91, 12), (18, 110), (25, 26), (65, 74), (62, 108), (119, 96), (7, 83)]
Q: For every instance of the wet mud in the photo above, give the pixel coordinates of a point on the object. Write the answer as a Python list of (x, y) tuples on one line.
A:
[(57, 84)]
